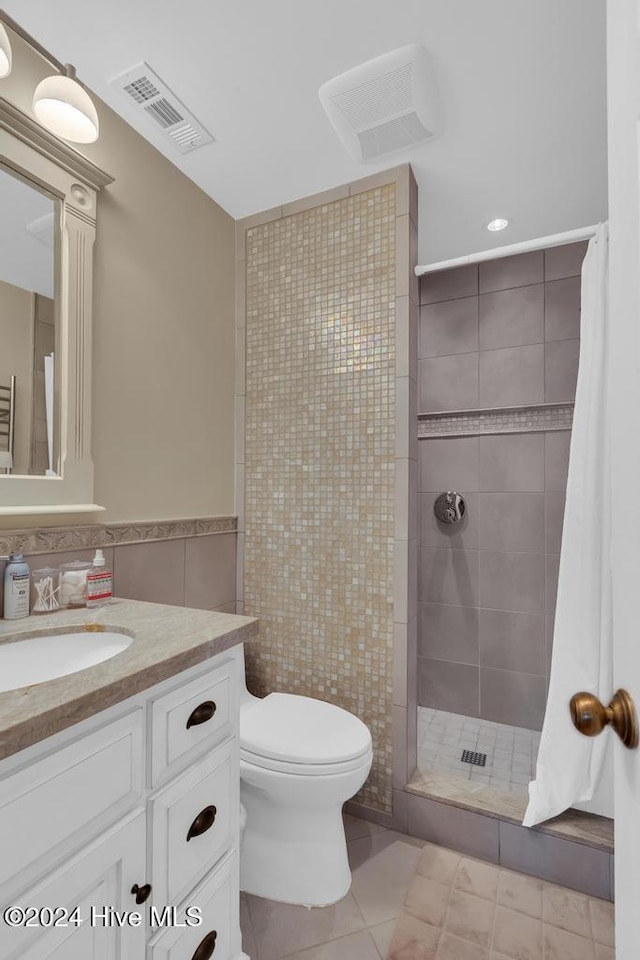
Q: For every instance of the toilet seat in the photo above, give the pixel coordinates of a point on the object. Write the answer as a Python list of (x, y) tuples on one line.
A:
[(304, 769), (288, 733)]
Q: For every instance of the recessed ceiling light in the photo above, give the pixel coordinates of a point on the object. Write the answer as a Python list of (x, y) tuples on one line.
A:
[(498, 224)]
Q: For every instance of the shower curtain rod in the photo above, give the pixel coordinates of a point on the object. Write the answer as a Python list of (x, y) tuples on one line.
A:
[(554, 240)]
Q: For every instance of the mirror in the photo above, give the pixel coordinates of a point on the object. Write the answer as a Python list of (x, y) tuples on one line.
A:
[(28, 428), (55, 190)]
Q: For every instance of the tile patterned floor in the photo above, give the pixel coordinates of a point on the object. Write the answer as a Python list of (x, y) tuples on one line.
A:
[(411, 901), (511, 751), (462, 909)]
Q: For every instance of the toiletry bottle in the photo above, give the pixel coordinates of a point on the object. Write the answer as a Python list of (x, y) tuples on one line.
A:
[(99, 581), (16, 587)]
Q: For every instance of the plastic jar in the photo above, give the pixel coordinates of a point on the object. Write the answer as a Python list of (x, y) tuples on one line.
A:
[(73, 583)]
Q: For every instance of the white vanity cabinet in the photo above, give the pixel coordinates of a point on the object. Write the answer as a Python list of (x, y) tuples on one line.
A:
[(138, 802), (95, 877)]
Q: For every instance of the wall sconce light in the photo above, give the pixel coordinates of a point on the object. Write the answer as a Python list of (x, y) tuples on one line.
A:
[(5, 53), (60, 102), (65, 108)]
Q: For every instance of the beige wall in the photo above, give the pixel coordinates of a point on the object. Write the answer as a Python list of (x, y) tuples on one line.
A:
[(16, 358), (163, 328)]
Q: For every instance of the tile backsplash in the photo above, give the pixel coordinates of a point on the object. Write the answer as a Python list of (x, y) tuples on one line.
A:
[(196, 571), (502, 333)]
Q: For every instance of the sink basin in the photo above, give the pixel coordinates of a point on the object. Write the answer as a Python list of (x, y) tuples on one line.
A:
[(36, 659)]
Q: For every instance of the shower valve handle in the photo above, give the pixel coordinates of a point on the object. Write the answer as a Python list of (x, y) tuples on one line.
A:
[(449, 507), (590, 717)]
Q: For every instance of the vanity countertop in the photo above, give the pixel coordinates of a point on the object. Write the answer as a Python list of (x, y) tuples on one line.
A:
[(167, 640)]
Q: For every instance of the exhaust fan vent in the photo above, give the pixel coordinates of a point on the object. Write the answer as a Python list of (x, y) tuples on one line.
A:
[(141, 89), (384, 105), (162, 111), (152, 96)]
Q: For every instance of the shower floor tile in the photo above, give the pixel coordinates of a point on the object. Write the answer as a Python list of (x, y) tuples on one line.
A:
[(511, 751)]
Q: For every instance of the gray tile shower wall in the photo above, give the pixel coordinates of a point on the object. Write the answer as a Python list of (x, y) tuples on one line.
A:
[(501, 333)]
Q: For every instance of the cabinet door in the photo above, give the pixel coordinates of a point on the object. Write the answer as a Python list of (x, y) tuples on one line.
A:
[(60, 802), (99, 878)]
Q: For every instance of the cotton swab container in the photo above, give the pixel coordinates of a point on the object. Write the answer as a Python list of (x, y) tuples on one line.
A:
[(45, 590)]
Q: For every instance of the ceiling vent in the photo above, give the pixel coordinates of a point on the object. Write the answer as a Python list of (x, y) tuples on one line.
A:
[(152, 96), (384, 105)]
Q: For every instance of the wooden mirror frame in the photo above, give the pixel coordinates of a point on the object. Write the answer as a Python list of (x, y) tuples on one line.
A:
[(50, 164)]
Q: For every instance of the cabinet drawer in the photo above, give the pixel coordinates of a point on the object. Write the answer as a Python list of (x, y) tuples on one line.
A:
[(193, 823), (218, 905), (191, 718), (56, 804)]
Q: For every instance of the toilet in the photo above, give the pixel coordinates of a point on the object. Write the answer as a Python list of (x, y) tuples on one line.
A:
[(300, 760)]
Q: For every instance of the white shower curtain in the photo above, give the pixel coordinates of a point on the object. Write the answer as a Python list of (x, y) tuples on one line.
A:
[(569, 764)]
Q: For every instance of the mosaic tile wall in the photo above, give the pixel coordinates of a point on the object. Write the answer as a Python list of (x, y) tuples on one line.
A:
[(470, 423), (319, 460)]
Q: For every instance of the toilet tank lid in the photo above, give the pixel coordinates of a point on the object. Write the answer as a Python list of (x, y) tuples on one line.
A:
[(302, 730)]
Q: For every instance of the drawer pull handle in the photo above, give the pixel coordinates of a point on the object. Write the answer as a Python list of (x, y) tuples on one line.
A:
[(205, 948), (202, 822), (201, 714), (142, 892)]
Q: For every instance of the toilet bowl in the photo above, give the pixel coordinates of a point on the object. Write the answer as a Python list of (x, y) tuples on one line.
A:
[(300, 760)]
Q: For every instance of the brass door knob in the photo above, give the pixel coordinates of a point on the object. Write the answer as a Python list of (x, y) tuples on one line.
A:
[(590, 717)]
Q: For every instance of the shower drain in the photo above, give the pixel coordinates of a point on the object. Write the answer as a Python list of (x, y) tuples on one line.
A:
[(469, 756)]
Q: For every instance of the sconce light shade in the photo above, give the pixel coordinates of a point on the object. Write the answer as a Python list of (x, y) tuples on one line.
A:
[(5, 53), (62, 106)]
